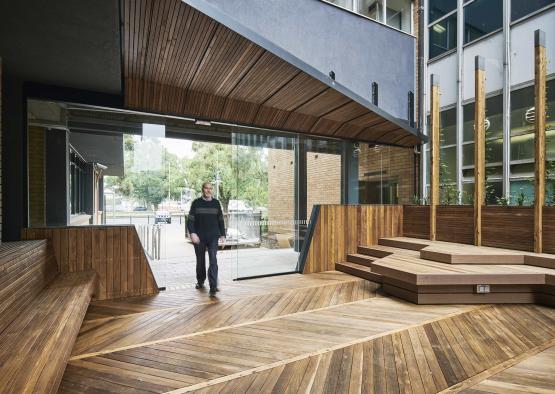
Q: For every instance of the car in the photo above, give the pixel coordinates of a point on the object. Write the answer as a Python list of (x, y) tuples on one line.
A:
[(139, 209), (162, 217)]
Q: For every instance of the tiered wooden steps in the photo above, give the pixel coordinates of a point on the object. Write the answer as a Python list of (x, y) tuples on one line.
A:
[(40, 315), (427, 272)]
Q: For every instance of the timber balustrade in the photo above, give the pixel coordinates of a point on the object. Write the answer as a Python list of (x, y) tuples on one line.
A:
[(114, 252), (337, 230)]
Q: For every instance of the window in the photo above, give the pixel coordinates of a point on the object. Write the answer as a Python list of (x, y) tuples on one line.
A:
[(522, 123), (482, 17), (448, 124), (77, 183), (521, 8), (372, 9), (343, 3), (439, 8), (494, 131), (398, 14), (443, 36)]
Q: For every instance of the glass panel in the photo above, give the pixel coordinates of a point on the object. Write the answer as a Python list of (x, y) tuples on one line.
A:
[(494, 119), (372, 9), (522, 123), (399, 14), (438, 8), (386, 175), (448, 165), (494, 191), (343, 3), (482, 17), (443, 36), (261, 205), (521, 8), (448, 131), (522, 192), (468, 194), (468, 154)]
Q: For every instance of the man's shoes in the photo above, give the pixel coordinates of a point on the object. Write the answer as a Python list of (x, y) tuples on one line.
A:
[(212, 293), (199, 286)]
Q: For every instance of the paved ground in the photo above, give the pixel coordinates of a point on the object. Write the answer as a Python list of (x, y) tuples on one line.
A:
[(176, 268)]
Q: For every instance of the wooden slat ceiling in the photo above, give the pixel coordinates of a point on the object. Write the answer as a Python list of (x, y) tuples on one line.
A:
[(179, 61)]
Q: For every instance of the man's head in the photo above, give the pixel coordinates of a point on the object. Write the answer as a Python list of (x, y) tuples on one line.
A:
[(207, 190)]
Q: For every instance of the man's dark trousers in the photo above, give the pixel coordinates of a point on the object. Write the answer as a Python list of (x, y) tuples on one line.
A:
[(200, 251)]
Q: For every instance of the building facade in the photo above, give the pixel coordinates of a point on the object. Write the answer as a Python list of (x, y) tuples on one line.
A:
[(501, 31)]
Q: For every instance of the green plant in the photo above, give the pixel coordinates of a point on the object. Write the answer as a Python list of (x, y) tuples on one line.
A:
[(503, 200), (521, 198)]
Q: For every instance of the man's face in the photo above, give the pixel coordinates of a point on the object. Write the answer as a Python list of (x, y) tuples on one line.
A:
[(207, 190)]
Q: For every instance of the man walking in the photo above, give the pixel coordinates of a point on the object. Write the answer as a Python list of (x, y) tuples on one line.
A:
[(206, 227)]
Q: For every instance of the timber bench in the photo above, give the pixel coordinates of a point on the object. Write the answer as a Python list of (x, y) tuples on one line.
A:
[(41, 312)]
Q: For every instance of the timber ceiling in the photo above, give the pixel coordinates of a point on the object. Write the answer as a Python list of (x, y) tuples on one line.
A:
[(179, 61)]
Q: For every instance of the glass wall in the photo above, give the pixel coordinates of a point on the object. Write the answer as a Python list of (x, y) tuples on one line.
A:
[(520, 8), (386, 175), (394, 13), (440, 8), (482, 17), (523, 145), (443, 36)]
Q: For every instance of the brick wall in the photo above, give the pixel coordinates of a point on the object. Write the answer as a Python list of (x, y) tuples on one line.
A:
[(281, 191), (323, 185), (388, 164), (323, 179), (37, 176)]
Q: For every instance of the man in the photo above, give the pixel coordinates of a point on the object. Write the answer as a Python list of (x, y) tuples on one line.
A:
[(206, 228)]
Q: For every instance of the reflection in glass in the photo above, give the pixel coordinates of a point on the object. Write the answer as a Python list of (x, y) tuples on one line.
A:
[(522, 123), (372, 9), (482, 17), (386, 175), (443, 36), (438, 8), (343, 3), (448, 124), (521, 8), (398, 14)]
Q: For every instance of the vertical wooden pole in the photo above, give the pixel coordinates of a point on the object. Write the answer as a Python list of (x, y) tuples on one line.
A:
[(434, 153), (539, 128), (479, 145)]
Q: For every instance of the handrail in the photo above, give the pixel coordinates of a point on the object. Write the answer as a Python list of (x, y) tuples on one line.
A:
[(314, 215)]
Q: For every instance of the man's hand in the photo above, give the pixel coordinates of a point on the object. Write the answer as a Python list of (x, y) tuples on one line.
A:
[(195, 239), (222, 239)]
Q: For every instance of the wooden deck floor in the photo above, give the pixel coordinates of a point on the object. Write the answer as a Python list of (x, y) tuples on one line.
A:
[(300, 333)]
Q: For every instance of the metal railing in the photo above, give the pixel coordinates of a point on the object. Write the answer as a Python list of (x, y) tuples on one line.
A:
[(150, 236)]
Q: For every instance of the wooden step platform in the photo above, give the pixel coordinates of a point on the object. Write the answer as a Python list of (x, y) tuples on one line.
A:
[(358, 270), (380, 251), (443, 272), (361, 259), (405, 243), (41, 314)]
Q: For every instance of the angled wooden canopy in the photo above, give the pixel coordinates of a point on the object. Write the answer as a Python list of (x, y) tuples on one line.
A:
[(179, 61)]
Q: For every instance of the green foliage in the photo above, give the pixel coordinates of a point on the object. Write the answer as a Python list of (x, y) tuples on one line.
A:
[(242, 174)]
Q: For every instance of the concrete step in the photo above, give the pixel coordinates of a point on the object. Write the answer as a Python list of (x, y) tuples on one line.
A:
[(404, 243), (361, 259), (358, 270)]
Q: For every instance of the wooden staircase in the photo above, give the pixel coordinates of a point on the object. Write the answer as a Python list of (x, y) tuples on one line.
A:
[(427, 272)]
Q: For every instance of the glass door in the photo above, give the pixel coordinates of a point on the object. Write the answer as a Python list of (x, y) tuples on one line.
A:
[(261, 212)]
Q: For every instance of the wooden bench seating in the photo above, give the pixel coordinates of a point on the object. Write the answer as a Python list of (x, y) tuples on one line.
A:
[(41, 312)]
